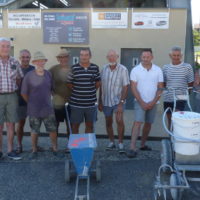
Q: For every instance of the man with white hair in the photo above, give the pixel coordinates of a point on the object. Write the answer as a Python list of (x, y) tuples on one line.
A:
[(10, 77), (113, 94), (177, 75)]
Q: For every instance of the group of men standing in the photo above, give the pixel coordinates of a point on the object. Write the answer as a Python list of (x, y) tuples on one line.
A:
[(78, 86)]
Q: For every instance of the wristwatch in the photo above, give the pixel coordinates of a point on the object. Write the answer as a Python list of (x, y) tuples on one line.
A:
[(122, 101)]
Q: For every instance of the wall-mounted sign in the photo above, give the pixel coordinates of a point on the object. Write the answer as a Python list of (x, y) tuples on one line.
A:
[(66, 28), (109, 19), (150, 20), (1, 20), (24, 20)]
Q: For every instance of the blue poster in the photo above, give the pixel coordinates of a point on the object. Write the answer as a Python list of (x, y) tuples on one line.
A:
[(66, 28)]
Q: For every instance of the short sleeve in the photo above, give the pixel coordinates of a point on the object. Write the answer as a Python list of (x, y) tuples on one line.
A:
[(126, 80), (190, 74), (20, 73), (133, 76), (97, 75), (49, 74), (70, 76), (160, 76)]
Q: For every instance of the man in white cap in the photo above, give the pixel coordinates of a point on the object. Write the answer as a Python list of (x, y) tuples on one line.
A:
[(61, 92), (10, 78), (36, 91)]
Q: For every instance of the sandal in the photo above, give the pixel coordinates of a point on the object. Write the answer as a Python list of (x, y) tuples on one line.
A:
[(145, 148)]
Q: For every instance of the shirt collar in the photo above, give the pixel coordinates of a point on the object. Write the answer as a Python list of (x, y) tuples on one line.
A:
[(144, 69), (177, 65), (117, 66)]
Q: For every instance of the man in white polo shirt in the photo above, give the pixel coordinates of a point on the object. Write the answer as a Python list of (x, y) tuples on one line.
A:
[(146, 86)]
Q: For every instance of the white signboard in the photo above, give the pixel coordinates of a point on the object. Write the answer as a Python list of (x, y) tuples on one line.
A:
[(150, 20), (24, 20), (109, 19), (1, 20)]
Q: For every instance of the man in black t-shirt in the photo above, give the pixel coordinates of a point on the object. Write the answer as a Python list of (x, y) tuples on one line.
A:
[(24, 58), (84, 80)]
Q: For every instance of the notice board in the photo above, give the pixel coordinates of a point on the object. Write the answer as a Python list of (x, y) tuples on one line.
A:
[(66, 28)]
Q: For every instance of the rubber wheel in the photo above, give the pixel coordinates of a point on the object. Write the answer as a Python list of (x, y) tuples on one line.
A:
[(174, 181), (98, 171), (157, 196), (166, 155), (67, 171)]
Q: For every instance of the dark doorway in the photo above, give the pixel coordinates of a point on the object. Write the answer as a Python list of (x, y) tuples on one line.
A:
[(74, 54)]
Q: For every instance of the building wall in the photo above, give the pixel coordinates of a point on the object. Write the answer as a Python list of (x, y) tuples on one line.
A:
[(101, 40)]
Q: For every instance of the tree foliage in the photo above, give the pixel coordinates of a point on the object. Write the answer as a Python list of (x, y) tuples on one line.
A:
[(196, 36)]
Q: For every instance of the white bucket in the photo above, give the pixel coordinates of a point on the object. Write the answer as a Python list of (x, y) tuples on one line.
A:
[(187, 125)]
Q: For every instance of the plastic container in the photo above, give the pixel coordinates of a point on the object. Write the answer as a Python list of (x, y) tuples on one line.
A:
[(82, 149), (187, 125)]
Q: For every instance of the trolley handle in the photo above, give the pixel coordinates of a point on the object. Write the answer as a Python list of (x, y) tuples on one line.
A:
[(68, 120), (172, 134), (184, 97), (178, 88)]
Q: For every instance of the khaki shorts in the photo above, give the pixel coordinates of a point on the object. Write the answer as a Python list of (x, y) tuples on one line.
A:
[(141, 115), (8, 108), (49, 123)]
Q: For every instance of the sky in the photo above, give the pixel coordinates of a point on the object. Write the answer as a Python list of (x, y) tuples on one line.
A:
[(195, 11)]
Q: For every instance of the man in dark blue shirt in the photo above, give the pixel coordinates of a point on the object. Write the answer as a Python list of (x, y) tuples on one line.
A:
[(25, 58)]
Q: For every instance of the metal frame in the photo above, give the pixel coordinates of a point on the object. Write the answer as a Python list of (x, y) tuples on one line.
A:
[(81, 196), (91, 169), (180, 170)]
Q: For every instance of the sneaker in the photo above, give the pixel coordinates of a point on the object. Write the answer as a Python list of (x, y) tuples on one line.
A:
[(33, 155), (110, 146), (121, 148), (13, 155), (131, 153), (1, 155)]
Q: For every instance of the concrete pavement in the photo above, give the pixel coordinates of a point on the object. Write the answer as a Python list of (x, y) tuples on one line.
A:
[(43, 178)]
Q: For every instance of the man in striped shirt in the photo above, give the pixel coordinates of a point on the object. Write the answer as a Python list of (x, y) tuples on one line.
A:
[(84, 80), (177, 75), (113, 93)]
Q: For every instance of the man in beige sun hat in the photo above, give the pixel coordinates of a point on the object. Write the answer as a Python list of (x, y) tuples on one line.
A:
[(36, 91), (61, 92)]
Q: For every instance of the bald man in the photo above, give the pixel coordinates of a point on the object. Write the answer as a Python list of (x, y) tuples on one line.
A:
[(112, 98)]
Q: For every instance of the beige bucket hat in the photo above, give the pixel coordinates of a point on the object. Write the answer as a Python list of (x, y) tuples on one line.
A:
[(38, 56), (63, 52)]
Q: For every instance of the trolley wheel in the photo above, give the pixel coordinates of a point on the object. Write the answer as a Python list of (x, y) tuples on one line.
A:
[(166, 155), (98, 171), (67, 171), (174, 181), (157, 195)]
